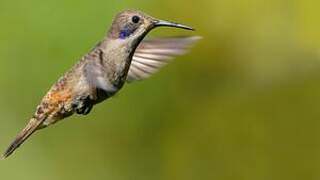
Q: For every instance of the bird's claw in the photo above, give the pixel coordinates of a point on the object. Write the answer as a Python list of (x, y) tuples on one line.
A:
[(82, 105)]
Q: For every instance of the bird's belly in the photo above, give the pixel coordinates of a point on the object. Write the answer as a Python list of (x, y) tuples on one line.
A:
[(103, 94)]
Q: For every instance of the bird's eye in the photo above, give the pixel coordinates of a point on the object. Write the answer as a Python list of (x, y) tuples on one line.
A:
[(135, 19)]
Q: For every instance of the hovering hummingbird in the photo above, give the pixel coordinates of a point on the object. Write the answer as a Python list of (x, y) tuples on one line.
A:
[(122, 56)]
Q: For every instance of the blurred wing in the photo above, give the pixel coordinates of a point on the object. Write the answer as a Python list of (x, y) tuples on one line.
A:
[(153, 54)]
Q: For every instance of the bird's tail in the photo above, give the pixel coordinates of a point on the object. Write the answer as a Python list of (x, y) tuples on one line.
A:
[(31, 127)]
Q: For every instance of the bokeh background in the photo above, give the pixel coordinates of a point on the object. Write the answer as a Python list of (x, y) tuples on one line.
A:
[(244, 104)]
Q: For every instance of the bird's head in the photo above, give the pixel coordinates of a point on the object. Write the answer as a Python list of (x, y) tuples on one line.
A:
[(132, 26)]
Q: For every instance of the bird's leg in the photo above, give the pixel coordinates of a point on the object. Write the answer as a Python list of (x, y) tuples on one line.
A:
[(82, 104)]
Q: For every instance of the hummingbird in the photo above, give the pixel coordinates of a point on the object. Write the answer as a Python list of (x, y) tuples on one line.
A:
[(121, 56)]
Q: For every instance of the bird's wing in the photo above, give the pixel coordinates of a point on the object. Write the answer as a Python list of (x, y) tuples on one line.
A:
[(153, 54)]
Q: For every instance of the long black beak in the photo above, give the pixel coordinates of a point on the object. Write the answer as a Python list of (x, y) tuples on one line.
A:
[(159, 23)]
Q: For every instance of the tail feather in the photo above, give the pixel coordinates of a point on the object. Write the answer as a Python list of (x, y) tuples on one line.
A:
[(31, 127)]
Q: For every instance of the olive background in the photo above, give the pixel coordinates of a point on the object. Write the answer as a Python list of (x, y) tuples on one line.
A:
[(244, 104)]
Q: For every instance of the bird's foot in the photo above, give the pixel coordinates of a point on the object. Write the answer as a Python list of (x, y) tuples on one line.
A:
[(83, 105)]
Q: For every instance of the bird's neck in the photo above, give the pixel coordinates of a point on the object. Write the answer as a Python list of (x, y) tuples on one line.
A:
[(117, 51), (117, 55)]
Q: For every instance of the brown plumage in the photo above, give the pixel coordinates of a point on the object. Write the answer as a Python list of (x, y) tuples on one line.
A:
[(119, 57)]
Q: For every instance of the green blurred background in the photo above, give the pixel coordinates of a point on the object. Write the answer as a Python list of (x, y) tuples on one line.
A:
[(244, 104)]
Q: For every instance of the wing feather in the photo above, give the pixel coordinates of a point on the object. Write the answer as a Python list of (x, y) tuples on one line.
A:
[(153, 54)]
